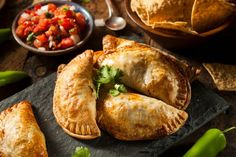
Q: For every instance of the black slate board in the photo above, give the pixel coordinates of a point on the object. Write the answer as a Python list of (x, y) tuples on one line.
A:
[(205, 105)]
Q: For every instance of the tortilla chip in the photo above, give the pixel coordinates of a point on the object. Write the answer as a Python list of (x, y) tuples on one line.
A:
[(224, 76), (209, 14), (189, 16), (175, 15)]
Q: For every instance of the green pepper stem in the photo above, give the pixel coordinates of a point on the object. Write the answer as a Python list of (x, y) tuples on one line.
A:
[(229, 129)]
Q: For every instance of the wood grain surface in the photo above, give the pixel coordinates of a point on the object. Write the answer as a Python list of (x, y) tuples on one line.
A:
[(221, 48)]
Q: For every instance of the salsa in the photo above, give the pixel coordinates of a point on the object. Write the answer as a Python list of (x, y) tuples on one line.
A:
[(49, 27)]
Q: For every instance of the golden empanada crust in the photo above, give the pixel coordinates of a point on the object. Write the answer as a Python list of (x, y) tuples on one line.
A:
[(74, 101), (147, 70), (131, 117), (20, 135)]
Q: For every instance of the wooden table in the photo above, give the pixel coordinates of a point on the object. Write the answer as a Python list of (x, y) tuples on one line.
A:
[(219, 49)]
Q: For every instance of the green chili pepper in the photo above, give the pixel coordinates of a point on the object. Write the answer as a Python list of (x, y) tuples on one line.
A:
[(210, 144), (5, 34), (7, 77)]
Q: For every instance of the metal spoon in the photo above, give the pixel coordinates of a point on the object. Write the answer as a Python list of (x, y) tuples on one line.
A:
[(114, 22)]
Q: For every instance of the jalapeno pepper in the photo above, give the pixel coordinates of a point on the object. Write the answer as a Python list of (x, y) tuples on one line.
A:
[(5, 34), (210, 144), (7, 77)]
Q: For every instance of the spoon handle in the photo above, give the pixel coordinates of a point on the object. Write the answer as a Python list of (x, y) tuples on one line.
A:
[(110, 8)]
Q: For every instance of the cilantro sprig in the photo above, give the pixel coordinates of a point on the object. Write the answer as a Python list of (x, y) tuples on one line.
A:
[(81, 152), (110, 75), (30, 37)]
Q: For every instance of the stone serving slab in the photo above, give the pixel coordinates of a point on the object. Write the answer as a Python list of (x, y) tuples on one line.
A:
[(204, 106)]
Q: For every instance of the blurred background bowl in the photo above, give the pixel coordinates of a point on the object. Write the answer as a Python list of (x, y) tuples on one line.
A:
[(174, 39), (84, 36)]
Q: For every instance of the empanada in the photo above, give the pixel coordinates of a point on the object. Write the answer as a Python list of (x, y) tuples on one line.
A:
[(146, 70), (130, 116), (74, 101), (20, 135)]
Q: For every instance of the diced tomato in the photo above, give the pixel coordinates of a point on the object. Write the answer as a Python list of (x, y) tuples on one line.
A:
[(37, 6), (69, 13), (38, 29), (48, 33), (42, 16), (28, 30), (27, 23), (54, 21), (65, 43), (52, 7), (20, 31), (35, 19), (28, 11), (37, 43), (80, 20), (43, 25), (21, 20), (67, 23), (42, 38), (44, 22), (33, 14), (53, 30)]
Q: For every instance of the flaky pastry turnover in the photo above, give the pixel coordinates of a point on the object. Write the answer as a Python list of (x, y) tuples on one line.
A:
[(20, 135), (74, 101), (131, 116), (147, 70)]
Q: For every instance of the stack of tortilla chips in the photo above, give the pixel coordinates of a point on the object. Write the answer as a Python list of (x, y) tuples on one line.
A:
[(192, 16)]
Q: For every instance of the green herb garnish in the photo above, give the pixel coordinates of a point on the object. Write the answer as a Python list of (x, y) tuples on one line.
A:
[(48, 15), (81, 152), (110, 75), (58, 37), (65, 8), (114, 92), (30, 37), (118, 88)]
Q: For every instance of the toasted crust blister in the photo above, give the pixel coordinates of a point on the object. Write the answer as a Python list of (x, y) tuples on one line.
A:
[(20, 135), (131, 116), (74, 101), (147, 70)]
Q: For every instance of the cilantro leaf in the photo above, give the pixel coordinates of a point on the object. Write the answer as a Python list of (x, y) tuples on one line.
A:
[(81, 152), (109, 75), (114, 92), (115, 74), (48, 15), (120, 87), (30, 37), (97, 89)]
